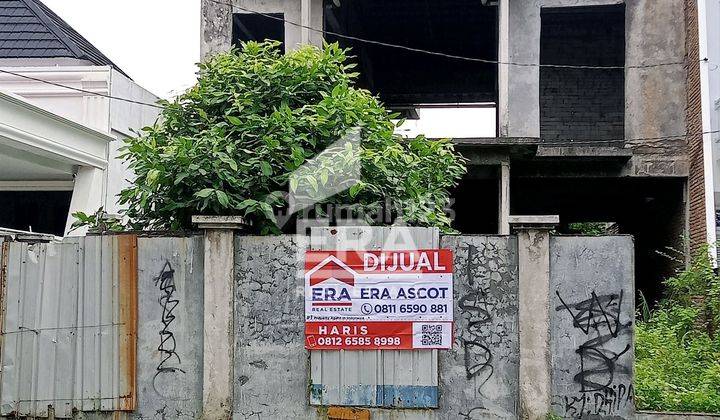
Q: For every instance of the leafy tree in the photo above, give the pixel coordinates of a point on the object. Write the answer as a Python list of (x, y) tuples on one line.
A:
[(228, 146)]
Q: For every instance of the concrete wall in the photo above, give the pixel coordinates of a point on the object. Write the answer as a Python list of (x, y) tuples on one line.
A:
[(216, 22), (655, 97), (479, 376), (271, 363), (591, 328), (170, 328), (592, 307)]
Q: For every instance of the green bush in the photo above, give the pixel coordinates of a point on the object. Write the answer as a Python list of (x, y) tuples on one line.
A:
[(677, 349), (229, 145)]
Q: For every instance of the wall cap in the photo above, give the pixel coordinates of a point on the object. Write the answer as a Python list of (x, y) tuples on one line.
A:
[(219, 222), (545, 222)]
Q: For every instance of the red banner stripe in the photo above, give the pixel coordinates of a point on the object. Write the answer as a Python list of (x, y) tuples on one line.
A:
[(384, 262)]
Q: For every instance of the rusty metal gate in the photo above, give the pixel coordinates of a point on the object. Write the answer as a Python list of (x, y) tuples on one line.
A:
[(69, 326)]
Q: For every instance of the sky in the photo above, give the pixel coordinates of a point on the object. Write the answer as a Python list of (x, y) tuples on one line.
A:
[(156, 42)]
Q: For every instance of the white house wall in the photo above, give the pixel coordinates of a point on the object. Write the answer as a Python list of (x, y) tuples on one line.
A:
[(91, 111), (114, 117)]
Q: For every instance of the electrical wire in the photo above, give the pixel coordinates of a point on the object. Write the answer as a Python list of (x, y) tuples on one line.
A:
[(539, 143), (441, 54), (418, 50), (22, 329), (89, 92)]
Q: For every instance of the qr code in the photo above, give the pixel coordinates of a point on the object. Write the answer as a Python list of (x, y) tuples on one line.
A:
[(432, 335)]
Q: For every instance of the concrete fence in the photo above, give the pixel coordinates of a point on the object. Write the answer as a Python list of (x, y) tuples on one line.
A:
[(543, 324)]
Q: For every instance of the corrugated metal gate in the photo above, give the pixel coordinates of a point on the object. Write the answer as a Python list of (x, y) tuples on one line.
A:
[(374, 378), (69, 326)]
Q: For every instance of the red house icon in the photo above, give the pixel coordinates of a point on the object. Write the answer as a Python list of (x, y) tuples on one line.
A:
[(332, 268)]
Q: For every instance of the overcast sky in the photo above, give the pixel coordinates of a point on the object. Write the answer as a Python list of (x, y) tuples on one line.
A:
[(156, 42)]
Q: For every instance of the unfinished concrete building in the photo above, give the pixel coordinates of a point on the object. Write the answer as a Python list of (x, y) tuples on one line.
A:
[(576, 108)]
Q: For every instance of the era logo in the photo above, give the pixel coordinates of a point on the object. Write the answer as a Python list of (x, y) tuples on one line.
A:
[(331, 282)]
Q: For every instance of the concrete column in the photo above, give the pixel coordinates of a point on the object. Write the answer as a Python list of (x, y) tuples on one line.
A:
[(522, 102), (534, 313), (87, 197), (218, 311), (503, 57), (504, 199), (305, 13)]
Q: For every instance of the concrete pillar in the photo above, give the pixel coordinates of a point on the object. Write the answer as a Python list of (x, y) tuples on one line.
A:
[(503, 57), (87, 197), (519, 86), (305, 14), (504, 199), (218, 311), (534, 313)]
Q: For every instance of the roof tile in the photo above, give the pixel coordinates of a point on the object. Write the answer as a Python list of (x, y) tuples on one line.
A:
[(28, 28)]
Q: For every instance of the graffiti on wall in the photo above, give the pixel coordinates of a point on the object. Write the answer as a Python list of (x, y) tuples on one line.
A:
[(168, 380), (603, 381), (487, 302)]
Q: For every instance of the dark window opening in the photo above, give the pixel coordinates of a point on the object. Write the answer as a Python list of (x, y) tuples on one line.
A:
[(253, 27), (459, 27), (582, 104), (39, 211), (652, 210), (476, 199)]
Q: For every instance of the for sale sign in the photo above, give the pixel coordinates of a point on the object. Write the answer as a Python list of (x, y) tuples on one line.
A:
[(365, 300)]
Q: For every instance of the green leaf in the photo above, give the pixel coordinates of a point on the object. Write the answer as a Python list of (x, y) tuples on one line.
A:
[(181, 177), (152, 176), (323, 177), (234, 120), (266, 168), (222, 198), (246, 203), (293, 183), (355, 189), (204, 193), (268, 211)]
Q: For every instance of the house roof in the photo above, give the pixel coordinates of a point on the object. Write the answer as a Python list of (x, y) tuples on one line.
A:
[(29, 29), (29, 129)]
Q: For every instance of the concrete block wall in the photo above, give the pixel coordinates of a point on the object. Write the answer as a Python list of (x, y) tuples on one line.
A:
[(582, 104), (576, 105), (271, 363), (170, 328), (592, 317), (479, 375)]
